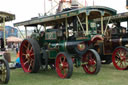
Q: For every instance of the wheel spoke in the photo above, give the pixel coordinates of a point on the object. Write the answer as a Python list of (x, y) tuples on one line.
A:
[(64, 58), (24, 54), (24, 46), (26, 62), (125, 63), (120, 52), (91, 68), (121, 65), (118, 56), (94, 66), (88, 67), (125, 53), (30, 65), (118, 61), (60, 60), (31, 49)]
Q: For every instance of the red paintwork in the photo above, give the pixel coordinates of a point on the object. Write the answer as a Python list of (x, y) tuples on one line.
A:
[(120, 55), (90, 59), (97, 37), (26, 56), (61, 66)]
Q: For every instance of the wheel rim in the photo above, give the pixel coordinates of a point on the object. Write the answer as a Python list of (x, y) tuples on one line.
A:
[(3, 72), (89, 62), (119, 58), (26, 56), (62, 66)]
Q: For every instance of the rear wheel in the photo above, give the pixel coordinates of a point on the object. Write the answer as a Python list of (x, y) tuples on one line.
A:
[(120, 58), (4, 72), (64, 65), (91, 62), (29, 56)]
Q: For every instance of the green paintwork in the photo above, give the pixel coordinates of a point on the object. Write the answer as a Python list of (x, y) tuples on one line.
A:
[(119, 17), (52, 54), (60, 46), (58, 16)]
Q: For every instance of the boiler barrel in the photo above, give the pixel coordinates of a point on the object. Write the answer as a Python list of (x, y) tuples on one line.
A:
[(120, 40)]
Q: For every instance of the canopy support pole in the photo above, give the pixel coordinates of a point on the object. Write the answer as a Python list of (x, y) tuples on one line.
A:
[(66, 25), (26, 31), (86, 24), (4, 32), (102, 25)]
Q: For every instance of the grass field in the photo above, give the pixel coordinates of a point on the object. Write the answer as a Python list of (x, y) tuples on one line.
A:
[(108, 75)]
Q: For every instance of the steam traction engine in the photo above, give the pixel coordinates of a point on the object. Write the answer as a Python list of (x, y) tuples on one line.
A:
[(64, 41), (4, 58), (114, 47)]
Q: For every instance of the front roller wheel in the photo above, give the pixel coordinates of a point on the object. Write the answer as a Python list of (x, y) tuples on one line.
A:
[(29, 55), (4, 72), (120, 58), (91, 62), (64, 65)]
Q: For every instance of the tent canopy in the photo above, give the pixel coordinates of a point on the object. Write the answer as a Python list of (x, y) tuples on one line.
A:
[(14, 39)]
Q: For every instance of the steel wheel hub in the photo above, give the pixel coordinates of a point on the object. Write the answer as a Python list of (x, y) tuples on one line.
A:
[(91, 62)]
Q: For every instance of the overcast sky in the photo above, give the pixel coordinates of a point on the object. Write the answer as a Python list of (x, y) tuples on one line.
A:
[(25, 9)]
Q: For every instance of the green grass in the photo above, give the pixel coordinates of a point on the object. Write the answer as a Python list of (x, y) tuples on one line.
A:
[(108, 75)]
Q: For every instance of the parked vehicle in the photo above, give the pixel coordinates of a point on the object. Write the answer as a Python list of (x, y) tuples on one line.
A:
[(114, 46), (65, 40)]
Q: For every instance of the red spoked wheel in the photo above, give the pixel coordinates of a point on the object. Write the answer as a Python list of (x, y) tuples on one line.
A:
[(64, 65), (91, 62), (120, 58), (29, 55)]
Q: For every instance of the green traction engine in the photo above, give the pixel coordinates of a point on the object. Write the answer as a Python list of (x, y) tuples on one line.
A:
[(63, 41)]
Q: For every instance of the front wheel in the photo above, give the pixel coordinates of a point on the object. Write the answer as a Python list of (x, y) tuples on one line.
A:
[(91, 62), (64, 65), (4, 72)]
